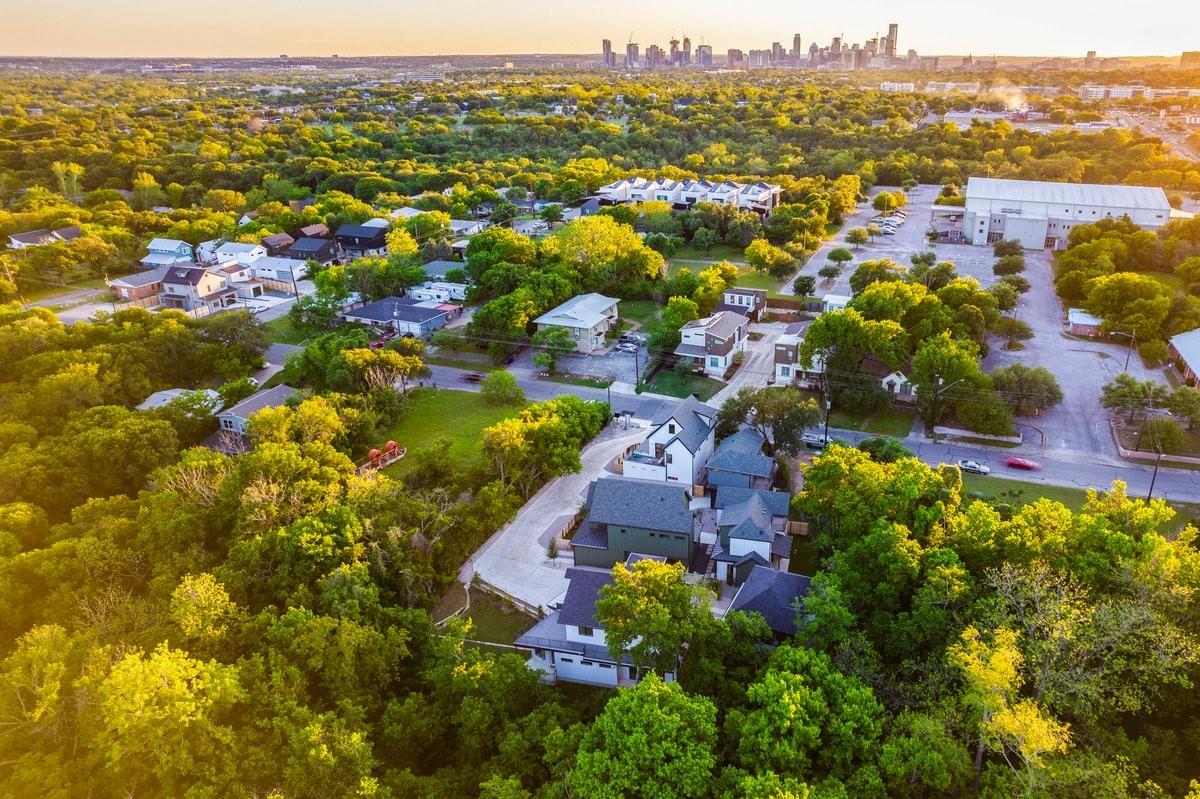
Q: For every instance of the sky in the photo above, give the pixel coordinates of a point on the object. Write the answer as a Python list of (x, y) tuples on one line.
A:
[(197, 28)]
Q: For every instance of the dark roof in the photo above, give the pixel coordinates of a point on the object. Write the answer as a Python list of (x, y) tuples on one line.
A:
[(583, 589), (742, 453), (637, 503), (777, 502), (69, 233), (316, 230), (361, 232), (772, 593), (147, 278), (750, 520), (695, 419), (278, 240), (184, 275), (781, 546), (441, 267), (267, 398), (39, 236), (401, 309), (308, 244)]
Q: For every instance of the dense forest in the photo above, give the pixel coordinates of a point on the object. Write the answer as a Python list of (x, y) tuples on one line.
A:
[(188, 623)]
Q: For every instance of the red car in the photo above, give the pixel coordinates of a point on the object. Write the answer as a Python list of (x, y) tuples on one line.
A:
[(1022, 463)]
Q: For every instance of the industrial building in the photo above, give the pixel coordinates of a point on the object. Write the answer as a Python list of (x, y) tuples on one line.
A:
[(1040, 215)]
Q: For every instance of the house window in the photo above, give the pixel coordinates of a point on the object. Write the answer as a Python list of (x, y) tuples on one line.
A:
[(586, 632), (714, 361), (606, 665), (668, 457), (565, 660), (671, 428), (785, 371), (227, 424)]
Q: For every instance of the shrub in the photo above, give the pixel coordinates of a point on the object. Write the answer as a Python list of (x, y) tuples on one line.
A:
[(829, 272), (1154, 353), (804, 285), (1017, 282), (1009, 265), (861, 400), (1007, 247)]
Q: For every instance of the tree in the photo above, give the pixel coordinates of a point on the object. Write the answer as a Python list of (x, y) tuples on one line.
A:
[(1007, 247), (869, 272), (651, 741), (551, 214), (940, 364), (829, 272), (769, 259), (1125, 394), (1024, 386), (780, 415), (1011, 329), (804, 285), (201, 607), (501, 388), (840, 256), (553, 343), (885, 202), (677, 313), (401, 244), (857, 236), (386, 367), (68, 175), (1164, 436), (1009, 265), (1185, 402), (648, 612), (225, 200), (704, 239)]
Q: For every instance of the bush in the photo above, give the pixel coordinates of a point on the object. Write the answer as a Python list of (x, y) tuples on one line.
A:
[(829, 272), (804, 285), (1007, 247), (1162, 435), (1154, 353), (1017, 282), (1009, 265), (861, 400), (500, 388), (884, 450)]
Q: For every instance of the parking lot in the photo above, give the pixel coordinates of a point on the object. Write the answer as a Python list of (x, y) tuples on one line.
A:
[(609, 365)]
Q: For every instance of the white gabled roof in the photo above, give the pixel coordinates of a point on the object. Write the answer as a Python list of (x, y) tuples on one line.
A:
[(582, 311), (1078, 316), (164, 244), (1139, 197)]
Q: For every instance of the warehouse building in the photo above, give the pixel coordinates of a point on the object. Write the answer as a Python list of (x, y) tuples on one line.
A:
[(1040, 215)]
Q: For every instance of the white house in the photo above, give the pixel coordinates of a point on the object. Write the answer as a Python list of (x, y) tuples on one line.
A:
[(442, 292), (569, 643), (834, 302), (244, 254), (788, 368), (587, 316), (678, 446), (466, 227), (758, 196), (1041, 215), (713, 341), (284, 271)]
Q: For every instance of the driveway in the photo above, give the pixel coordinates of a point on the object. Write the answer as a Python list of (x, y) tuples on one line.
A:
[(514, 559)]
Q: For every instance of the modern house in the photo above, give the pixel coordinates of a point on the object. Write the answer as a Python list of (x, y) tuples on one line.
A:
[(277, 243), (587, 317), (775, 595), (569, 644), (311, 249), (625, 516), (751, 530), (834, 302), (140, 287), (317, 230), (1082, 323), (788, 368), (739, 462), (440, 291), (238, 252), (1185, 353), (197, 290), (231, 422), (167, 252), (712, 342), (360, 241), (678, 446), (37, 238), (404, 315), (759, 196), (280, 274), (750, 303)]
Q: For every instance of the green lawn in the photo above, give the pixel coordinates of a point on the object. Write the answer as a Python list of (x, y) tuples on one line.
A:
[(673, 384), (33, 292), (461, 360), (896, 422), (282, 331), (493, 621), (641, 311), (431, 414), (719, 252), (577, 380), (1172, 283)]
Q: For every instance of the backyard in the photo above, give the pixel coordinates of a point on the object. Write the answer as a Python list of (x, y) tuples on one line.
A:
[(432, 414)]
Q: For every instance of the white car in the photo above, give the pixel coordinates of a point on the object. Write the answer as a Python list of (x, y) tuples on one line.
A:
[(974, 467)]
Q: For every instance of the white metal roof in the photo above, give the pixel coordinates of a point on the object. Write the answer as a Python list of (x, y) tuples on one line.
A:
[(583, 311), (1140, 197), (1078, 316), (1188, 346)]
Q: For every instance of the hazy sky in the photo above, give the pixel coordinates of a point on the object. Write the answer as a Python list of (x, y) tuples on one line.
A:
[(406, 27)]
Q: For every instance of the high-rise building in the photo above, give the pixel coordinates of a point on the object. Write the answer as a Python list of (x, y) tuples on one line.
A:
[(704, 55), (814, 55), (735, 58), (687, 50), (797, 53), (835, 48), (676, 57), (776, 53), (632, 59), (893, 35), (606, 48), (759, 59), (654, 56)]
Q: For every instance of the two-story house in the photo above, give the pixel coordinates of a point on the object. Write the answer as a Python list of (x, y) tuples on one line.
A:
[(569, 644), (238, 252), (196, 289), (626, 516), (359, 241), (311, 249), (277, 243), (750, 303), (678, 446), (712, 342), (142, 288), (739, 462), (586, 316), (751, 530), (776, 595), (167, 252), (788, 368)]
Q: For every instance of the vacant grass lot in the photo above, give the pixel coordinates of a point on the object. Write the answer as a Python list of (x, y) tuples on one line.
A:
[(493, 621), (640, 311), (673, 384), (890, 421), (719, 252), (431, 414), (33, 292), (282, 331)]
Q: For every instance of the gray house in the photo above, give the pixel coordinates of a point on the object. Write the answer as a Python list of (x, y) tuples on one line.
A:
[(627, 516), (775, 595), (402, 314), (739, 462)]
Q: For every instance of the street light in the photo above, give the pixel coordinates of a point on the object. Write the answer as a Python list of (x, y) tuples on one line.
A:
[(938, 391), (1132, 343)]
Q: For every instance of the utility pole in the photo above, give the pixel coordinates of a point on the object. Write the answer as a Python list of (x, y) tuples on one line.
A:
[(1154, 476)]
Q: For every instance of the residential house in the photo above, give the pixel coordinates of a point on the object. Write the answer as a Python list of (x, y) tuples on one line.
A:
[(142, 288), (405, 214), (626, 516), (788, 368), (893, 381), (1082, 323), (1185, 352), (167, 252), (438, 269), (748, 302), (231, 422), (242, 279), (775, 595), (678, 446), (196, 289), (466, 227), (238, 252), (760, 197), (277, 243), (586, 316), (37, 238), (834, 302), (739, 462), (247, 217), (436, 290), (713, 342), (569, 644), (403, 315), (280, 274), (161, 398), (311, 249), (317, 230), (378, 222), (360, 241), (751, 530)]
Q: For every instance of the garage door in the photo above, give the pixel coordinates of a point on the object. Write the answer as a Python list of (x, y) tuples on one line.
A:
[(574, 668)]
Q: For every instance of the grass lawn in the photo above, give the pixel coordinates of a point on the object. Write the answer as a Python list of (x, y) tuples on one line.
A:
[(673, 384), (1172, 283), (641, 311), (493, 621), (461, 360), (33, 292), (576, 380), (719, 252), (282, 331), (459, 416)]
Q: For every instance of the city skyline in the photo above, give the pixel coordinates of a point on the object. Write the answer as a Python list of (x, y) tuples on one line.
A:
[(224, 28)]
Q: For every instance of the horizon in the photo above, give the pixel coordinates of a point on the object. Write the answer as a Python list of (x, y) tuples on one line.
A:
[(536, 27)]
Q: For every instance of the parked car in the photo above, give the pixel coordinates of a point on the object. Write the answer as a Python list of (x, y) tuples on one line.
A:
[(626, 346), (1022, 463), (974, 467), (815, 440), (473, 377)]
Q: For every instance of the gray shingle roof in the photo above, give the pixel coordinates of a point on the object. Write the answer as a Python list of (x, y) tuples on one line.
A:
[(441, 267), (772, 593), (394, 308), (721, 325), (742, 453), (267, 398), (695, 421), (579, 605), (750, 520), (147, 278), (777, 502), (637, 503)]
